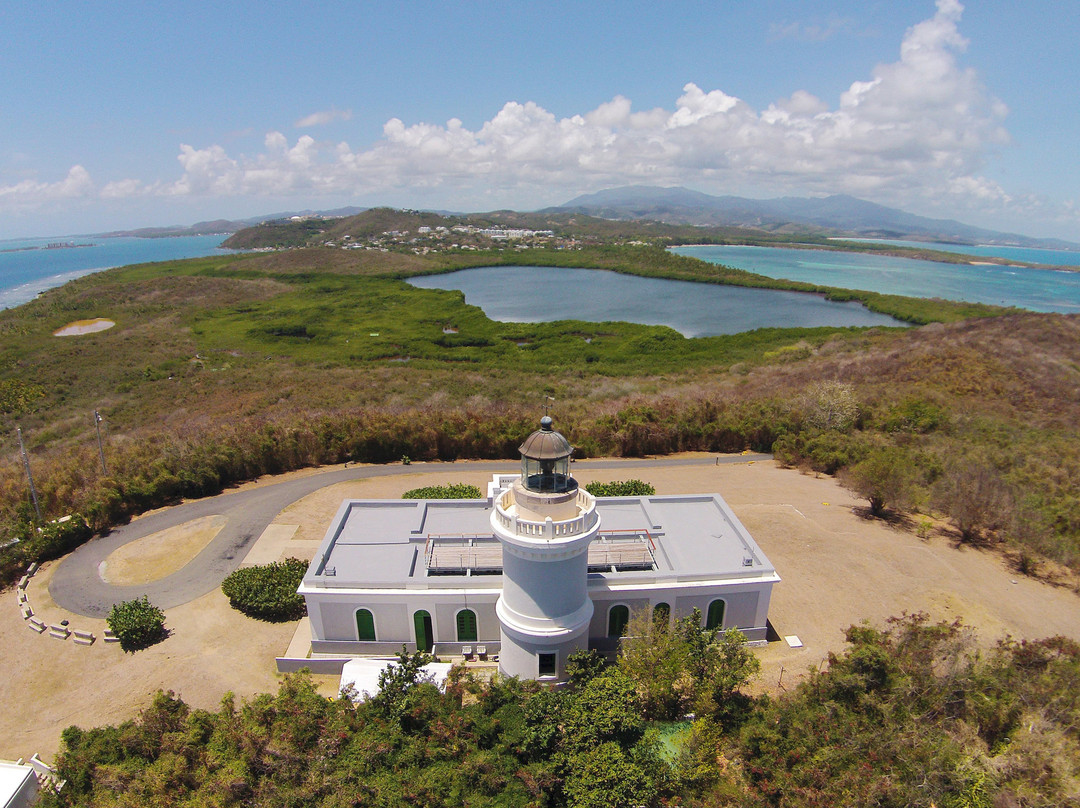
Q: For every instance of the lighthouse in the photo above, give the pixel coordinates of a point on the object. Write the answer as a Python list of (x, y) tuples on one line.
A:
[(545, 524)]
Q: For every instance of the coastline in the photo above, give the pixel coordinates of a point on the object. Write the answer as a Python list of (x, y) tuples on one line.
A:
[(25, 292)]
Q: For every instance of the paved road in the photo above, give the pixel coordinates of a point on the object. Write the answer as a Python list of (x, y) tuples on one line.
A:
[(78, 587)]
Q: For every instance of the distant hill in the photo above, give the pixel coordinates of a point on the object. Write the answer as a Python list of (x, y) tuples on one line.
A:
[(842, 214), (217, 226)]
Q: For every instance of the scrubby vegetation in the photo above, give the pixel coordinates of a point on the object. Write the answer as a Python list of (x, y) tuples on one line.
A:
[(136, 623), (911, 714), (268, 591), (620, 488), (451, 491), (227, 368)]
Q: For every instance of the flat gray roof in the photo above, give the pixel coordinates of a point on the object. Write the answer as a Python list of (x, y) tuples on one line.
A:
[(413, 543)]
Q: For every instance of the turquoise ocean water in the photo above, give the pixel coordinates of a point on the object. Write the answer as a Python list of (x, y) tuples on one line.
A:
[(1047, 290), (26, 269), (1032, 255)]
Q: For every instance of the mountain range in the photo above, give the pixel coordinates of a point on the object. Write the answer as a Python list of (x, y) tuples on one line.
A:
[(840, 214)]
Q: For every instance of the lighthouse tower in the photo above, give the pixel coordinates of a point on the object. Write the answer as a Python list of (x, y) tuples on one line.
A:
[(545, 524)]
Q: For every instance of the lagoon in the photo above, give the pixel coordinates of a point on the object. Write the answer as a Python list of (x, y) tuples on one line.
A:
[(519, 294), (1044, 290)]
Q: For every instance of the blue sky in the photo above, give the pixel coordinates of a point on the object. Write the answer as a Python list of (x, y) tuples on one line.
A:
[(134, 114)]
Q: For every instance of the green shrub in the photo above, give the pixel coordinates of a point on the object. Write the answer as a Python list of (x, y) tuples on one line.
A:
[(58, 537), (620, 488), (137, 623), (453, 491), (268, 592)]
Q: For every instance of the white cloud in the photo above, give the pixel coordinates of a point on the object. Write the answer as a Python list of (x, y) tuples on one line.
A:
[(123, 189), (323, 117), (918, 128), (916, 133), (30, 193)]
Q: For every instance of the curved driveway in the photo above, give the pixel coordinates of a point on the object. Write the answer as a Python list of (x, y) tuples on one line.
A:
[(77, 585)]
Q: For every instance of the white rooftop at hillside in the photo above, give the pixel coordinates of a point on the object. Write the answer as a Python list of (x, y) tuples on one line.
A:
[(384, 542)]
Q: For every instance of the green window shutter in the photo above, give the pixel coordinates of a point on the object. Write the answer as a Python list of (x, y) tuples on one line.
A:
[(618, 617), (715, 618), (422, 625), (365, 626), (466, 625)]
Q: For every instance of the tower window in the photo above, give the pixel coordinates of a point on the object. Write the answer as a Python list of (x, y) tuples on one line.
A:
[(548, 665)]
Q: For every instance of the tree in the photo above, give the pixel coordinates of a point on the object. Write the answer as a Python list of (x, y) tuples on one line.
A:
[(975, 496), (831, 405), (398, 680), (137, 623), (658, 660), (885, 477)]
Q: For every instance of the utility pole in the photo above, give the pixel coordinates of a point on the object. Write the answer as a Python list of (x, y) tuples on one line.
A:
[(29, 476), (100, 448)]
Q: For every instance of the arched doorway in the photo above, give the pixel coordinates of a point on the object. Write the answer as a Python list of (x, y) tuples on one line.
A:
[(715, 616), (618, 617), (365, 626), (425, 640)]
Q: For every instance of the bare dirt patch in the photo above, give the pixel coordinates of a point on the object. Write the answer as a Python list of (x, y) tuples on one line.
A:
[(80, 327), (161, 554), (51, 684)]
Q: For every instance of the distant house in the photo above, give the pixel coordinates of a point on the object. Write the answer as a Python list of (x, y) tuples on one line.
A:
[(536, 570)]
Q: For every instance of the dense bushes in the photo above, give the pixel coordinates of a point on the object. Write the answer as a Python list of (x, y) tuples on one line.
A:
[(452, 491), (136, 623), (620, 488), (268, 592), (911, 714)]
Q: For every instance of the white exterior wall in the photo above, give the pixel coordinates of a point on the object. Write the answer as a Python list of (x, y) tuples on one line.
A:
[(552, 588), (18, 785), (333, 617), (520, 654), (746, 605)]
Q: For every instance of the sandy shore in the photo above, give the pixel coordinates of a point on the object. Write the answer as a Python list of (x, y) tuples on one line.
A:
[(838, 568)]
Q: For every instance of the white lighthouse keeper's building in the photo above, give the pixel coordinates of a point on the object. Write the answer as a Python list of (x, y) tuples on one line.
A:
[(528, 574)]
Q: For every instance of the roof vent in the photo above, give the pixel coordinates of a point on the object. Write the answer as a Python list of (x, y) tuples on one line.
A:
[(330, 572), (748, 561)]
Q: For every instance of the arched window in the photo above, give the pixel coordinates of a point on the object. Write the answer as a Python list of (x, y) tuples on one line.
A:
[(422, 626), (617, 619), (365, 626), (715, 617), (661, 614), (466, 625)]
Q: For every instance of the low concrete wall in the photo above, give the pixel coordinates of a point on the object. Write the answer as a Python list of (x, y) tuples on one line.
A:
[(322, 667)]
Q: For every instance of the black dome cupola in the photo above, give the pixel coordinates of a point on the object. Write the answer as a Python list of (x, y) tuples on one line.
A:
[(545, 461)]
